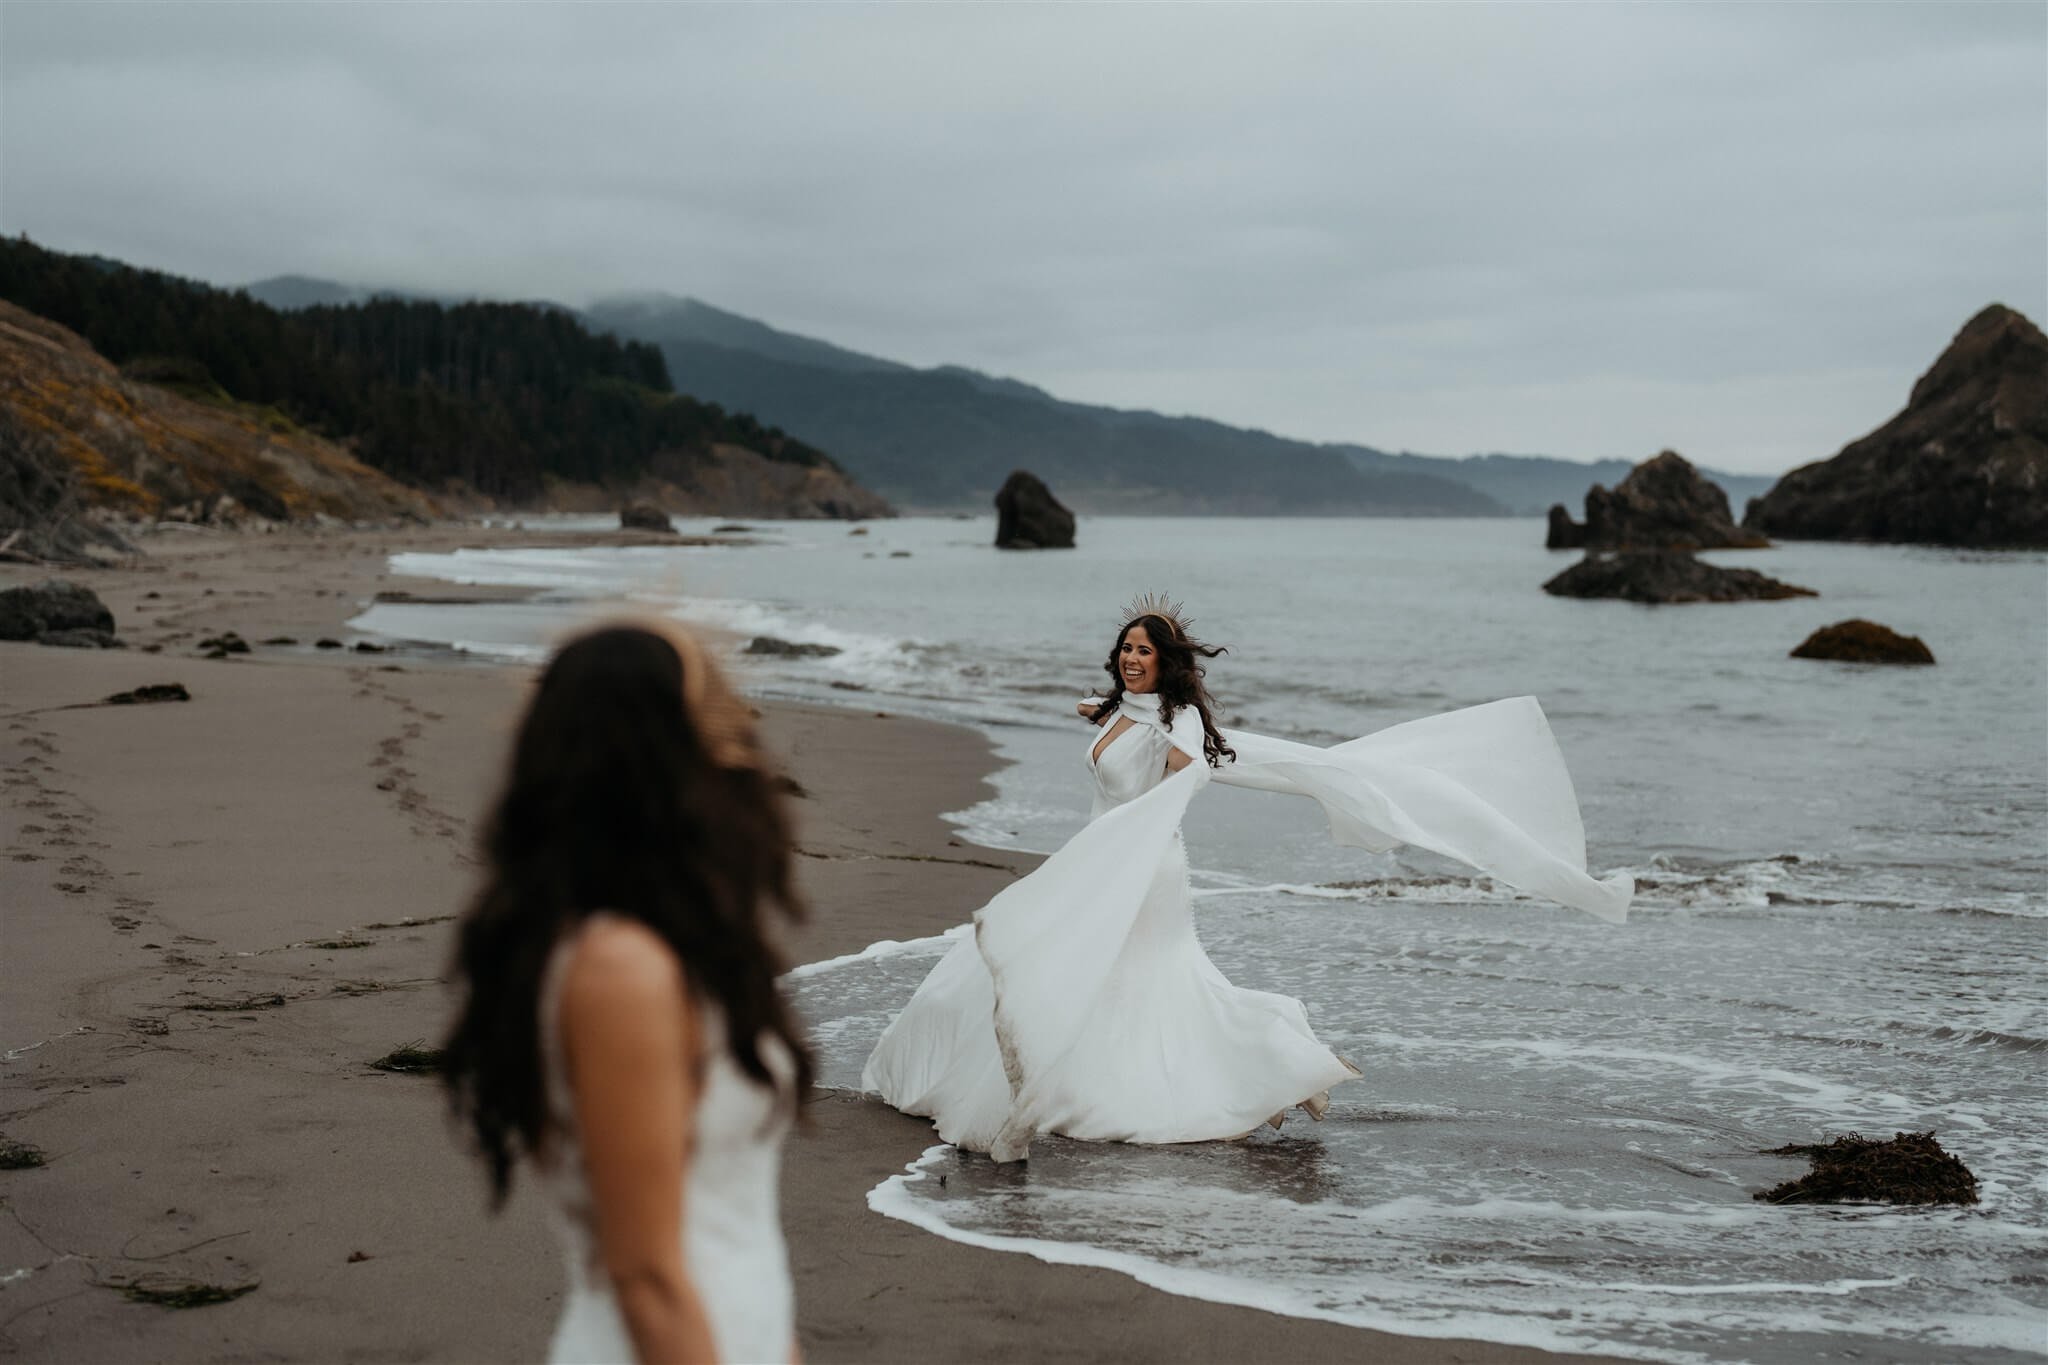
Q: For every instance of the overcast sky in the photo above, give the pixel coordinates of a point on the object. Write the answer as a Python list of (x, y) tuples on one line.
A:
[(1588, 230)]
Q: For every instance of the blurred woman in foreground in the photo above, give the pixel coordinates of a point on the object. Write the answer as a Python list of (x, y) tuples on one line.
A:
[(620, 1024)]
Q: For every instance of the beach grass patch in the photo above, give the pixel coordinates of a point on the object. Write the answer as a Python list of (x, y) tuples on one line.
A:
[(1909, 1168), (20, 1156), (415, 1058)]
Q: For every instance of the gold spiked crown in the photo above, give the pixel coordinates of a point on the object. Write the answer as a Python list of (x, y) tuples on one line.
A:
[(1160, 605)]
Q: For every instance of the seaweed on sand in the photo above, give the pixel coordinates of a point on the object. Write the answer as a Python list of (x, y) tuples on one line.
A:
[(168, 1292), (20, 1156), (242, 1006), (1911, 1168), (414, 1058)]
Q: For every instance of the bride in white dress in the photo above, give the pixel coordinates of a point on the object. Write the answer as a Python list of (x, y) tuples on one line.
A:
[(1083, 1003)]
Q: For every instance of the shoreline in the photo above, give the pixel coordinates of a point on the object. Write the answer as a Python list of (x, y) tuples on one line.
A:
[(229, 906)]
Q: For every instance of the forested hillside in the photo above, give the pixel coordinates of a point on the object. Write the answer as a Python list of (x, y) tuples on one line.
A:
[(498, 398)]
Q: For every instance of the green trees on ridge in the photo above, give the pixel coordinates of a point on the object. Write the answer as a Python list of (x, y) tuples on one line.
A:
[(496, 396)]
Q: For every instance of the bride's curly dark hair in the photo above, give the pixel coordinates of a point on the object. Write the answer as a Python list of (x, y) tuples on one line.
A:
[(636, 788), (1180, 683)]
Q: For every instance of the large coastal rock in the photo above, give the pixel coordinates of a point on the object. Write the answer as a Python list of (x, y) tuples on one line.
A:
[(1663, 504), (58, 612), (1029, 517), (1864, 642), (1666, 576), (1966, 462)]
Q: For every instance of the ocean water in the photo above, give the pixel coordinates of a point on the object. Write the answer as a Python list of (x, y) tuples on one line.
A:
[(1842, 923)]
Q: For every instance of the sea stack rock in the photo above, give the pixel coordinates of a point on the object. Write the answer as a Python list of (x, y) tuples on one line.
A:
[(644, 516), (56, 612), (1864, 642), (1966, 462), (1565, 534), (1666, 576), (1663, 504), (1029, 517)]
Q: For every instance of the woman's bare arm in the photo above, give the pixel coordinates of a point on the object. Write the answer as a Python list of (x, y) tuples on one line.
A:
[(631, 1040), (1176, 759)]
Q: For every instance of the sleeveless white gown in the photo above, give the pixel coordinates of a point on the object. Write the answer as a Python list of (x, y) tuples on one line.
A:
[(732, 1232), (1084, 1005)]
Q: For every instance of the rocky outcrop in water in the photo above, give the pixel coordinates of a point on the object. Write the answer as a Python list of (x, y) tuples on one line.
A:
[(769, 646), (1864, 642), (56, 612), (1029, 517), (644, 516), (1663, 504), (1564, 533), (1666, 576), (1966, 462)]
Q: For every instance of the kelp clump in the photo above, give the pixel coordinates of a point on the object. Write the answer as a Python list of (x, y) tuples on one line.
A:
[(1910, 1168)]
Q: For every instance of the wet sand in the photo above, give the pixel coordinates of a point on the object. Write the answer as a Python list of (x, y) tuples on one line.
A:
[(217, 913)]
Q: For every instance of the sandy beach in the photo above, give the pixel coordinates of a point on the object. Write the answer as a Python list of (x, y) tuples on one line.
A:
[(218, 912)]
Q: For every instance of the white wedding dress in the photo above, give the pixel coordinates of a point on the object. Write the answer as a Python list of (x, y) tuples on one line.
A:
[(1083, 1003), (732, 1232)]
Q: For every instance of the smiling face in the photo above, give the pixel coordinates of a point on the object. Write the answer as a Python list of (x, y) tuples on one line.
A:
[(1137, 662)]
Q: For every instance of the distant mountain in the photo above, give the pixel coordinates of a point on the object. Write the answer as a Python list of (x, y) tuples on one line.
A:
[(947, 437), (689, 320), (1527, 485), (302, 291)]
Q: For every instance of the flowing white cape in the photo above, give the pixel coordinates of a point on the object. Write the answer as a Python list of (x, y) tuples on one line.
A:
[(1485, 785)]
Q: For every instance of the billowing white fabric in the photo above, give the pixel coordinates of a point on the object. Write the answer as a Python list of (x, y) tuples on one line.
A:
[(732, 1228), (1084, 1004)]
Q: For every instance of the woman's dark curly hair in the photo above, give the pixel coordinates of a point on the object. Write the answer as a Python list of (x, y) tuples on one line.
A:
[(635, 788), (1180, 683)]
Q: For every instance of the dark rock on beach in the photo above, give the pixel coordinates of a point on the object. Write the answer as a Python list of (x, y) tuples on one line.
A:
[(1911, 1168), (1864, 642), (644, 516), (56, 607), (227, 643), (769, 646), (149, 692), (1663, 504), (1668, 576), (1966, 462), (1029, 517)]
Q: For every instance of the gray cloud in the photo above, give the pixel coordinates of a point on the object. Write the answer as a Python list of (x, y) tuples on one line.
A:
[(1586, 230)]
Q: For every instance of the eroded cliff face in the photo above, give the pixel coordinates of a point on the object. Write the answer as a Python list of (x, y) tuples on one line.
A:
[(733, 481), (80, 445), (1966, 462), (726, 481)]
